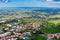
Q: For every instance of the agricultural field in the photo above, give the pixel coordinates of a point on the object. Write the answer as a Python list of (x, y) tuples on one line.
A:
[(49, 22), (55, 16), (54, 21), (1, 26), (38, 37)]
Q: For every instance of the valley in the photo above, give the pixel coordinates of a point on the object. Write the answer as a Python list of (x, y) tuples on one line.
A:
[(30, 23)]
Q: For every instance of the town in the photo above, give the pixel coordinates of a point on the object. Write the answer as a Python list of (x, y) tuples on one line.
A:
[(29, 24)]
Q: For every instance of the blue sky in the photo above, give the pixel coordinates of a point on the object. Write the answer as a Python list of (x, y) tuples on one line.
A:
[(30, 3)]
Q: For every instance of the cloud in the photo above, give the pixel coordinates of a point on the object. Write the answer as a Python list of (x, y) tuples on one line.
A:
[(34, 3), (49, 0)]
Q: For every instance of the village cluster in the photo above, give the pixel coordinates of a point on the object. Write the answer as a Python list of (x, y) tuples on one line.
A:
[(12, 31)]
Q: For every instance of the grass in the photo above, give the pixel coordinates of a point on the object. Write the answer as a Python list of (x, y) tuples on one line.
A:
[(1, 26), (54, 21), (55, 16), (38, 37)]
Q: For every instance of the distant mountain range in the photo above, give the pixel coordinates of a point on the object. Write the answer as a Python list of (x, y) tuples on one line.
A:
[(29, 11), (56, 0), (30, 8)]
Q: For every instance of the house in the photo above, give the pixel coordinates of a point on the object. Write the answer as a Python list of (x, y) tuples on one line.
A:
[(8, 25), (28, 33), (15, 26), (49, 36), (57, 35), (5, 34), (12, 39), (2, 22), (25, 38), (1, 31)]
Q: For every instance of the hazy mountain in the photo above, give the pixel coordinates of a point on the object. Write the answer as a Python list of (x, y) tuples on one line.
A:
[(56, 0), (30, 8), (10, 11)]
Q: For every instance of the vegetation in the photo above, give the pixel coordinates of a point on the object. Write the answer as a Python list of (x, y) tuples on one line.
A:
[(38, 37), (2, 26), (54, 21), (55, 16), (50, 21)]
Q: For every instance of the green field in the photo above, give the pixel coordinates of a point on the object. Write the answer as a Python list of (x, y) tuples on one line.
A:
[(54, 21), (1, 26), (55, 16), (38, 37)]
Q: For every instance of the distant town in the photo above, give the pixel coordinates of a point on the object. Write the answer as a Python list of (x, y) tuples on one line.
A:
[(29, 24)]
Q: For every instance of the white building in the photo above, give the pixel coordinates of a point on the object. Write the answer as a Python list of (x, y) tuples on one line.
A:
[(13, 39)]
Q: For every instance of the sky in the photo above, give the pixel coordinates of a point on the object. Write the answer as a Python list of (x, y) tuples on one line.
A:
[(30, 3)]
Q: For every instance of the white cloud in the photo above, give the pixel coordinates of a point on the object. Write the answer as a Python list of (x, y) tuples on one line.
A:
[(31, 4), (49, 0)]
